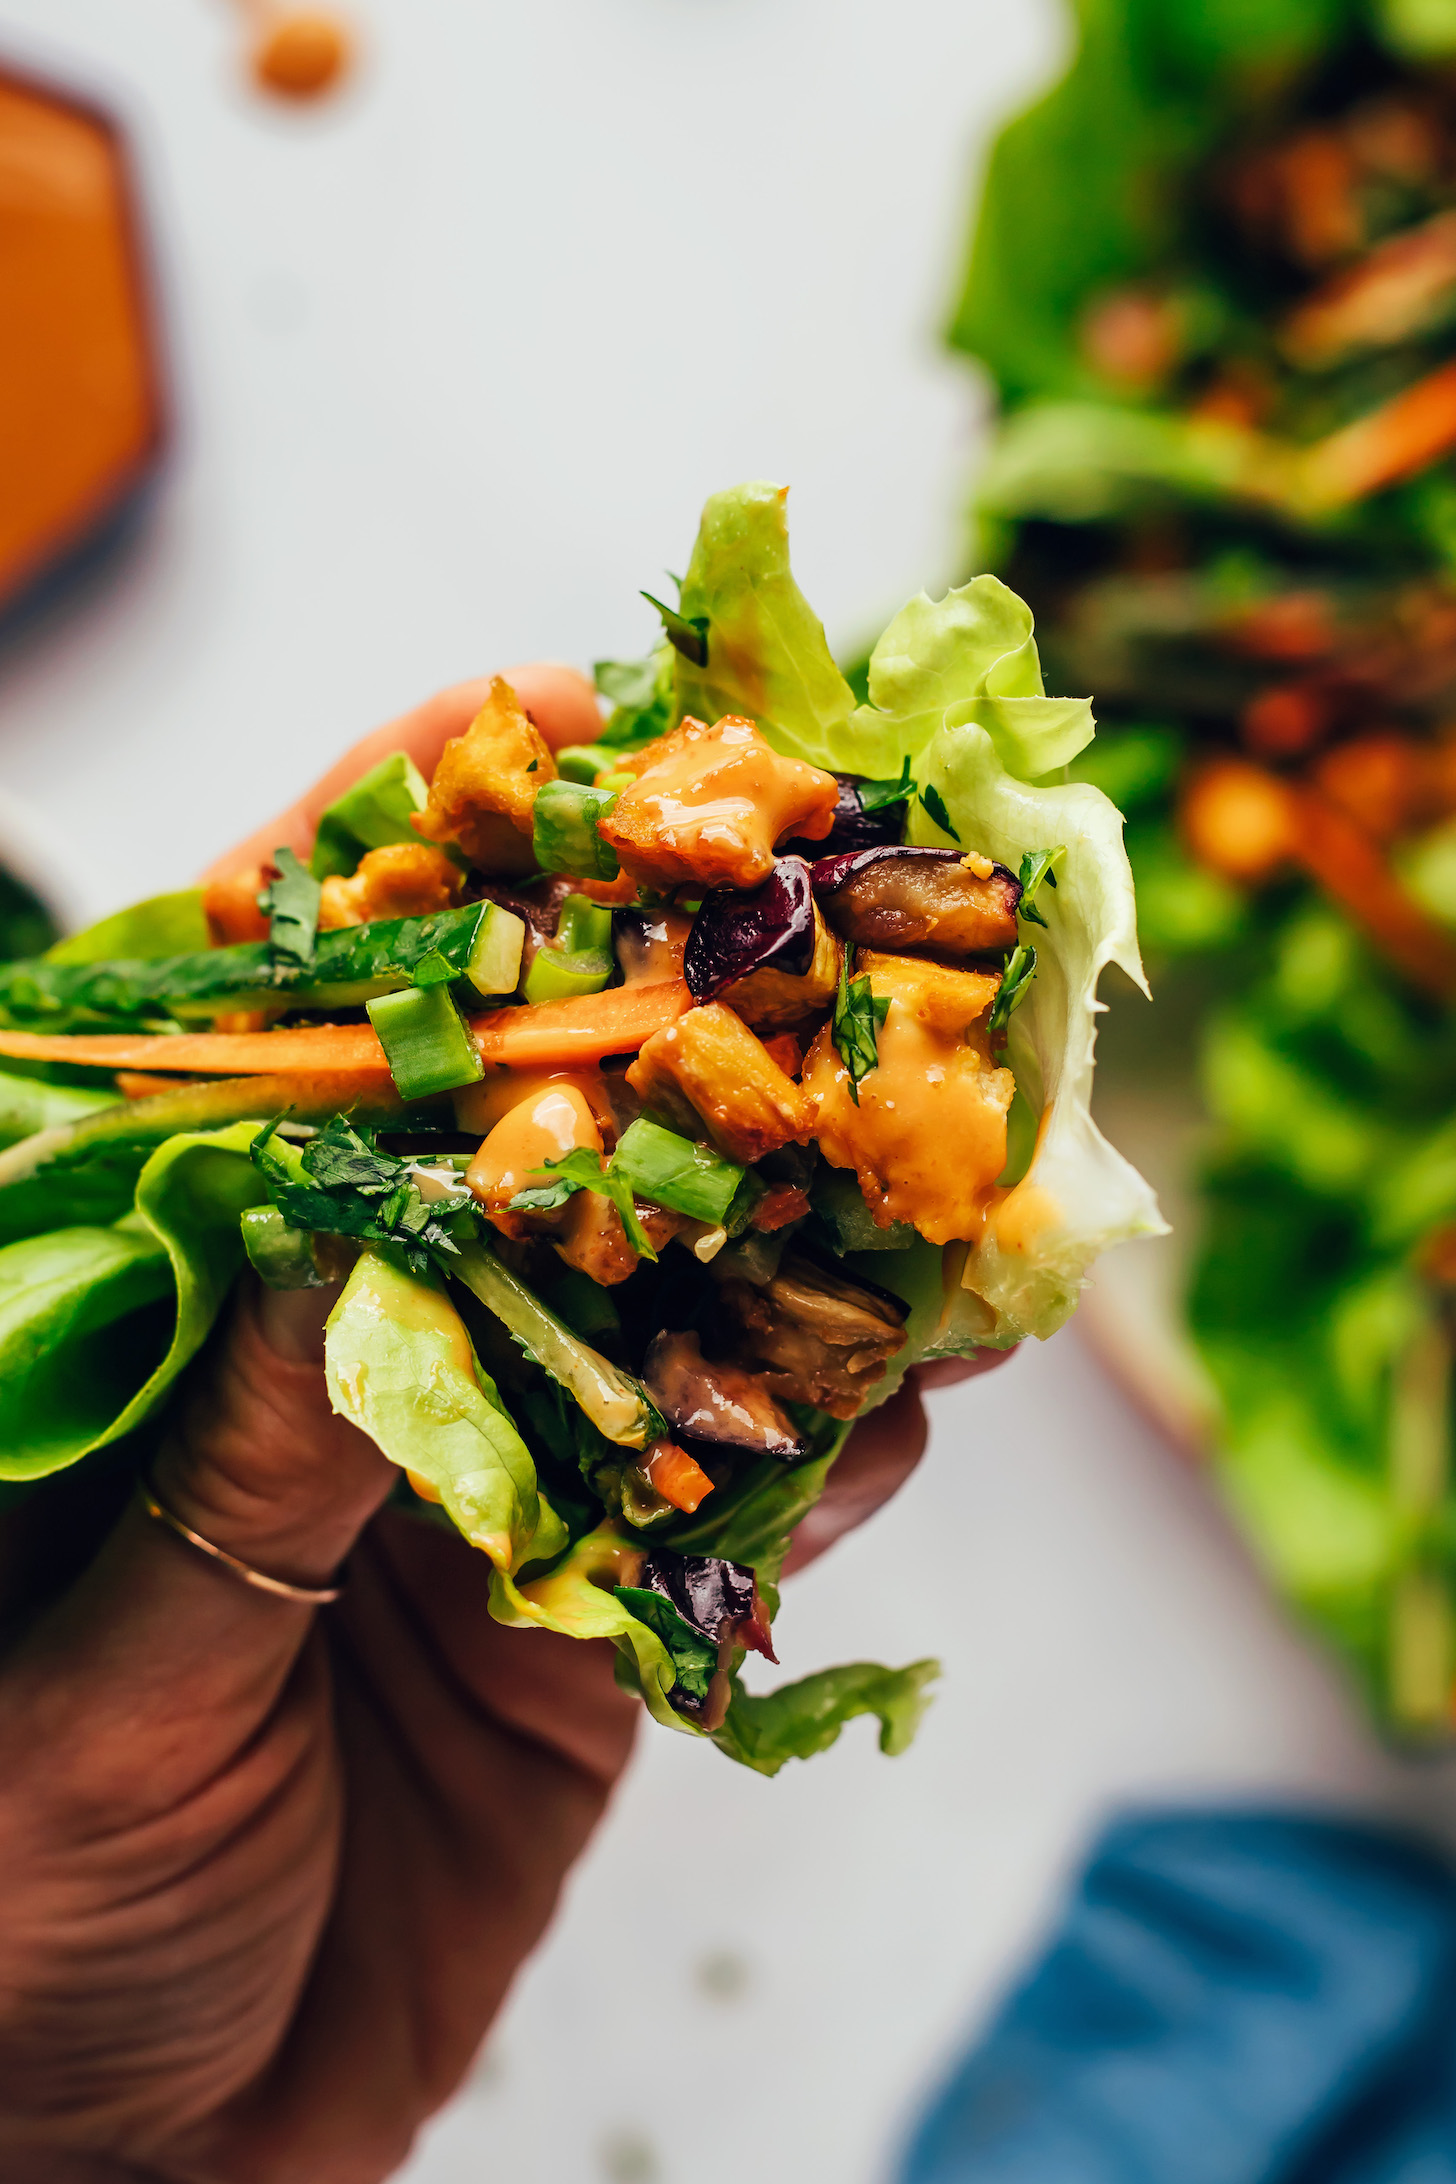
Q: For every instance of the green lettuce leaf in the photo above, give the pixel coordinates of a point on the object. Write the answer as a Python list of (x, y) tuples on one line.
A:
[(373, 813), (98, 1322), (579, 1598), (401, 1367), (28, 1105), (163, 925), (803, 1718)]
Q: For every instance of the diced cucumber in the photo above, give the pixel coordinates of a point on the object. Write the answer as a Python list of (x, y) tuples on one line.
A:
[(494, 963), (375, 812), (673, 1171)]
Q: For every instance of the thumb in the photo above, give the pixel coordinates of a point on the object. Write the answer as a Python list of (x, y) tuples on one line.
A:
[(158, 1667)]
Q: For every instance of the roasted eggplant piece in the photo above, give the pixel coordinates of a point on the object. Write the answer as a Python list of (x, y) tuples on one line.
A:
[(722, 1405), (649, 944), (853, 827), (816, 1337), (766, 953), (935, 900), (717, 1599)]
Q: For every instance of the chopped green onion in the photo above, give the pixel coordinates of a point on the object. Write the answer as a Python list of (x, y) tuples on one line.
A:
[(375, 812), (564, 830), (582, 762), (580, 959), (425, 1041), (673, 1171)]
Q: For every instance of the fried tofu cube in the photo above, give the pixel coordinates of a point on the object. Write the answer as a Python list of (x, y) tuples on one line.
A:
[(709, 1072), (402, 880), (709, 804), (928, 1137), (485, 785)]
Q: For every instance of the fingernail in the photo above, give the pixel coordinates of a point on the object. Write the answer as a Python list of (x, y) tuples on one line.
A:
[(291, 1322)]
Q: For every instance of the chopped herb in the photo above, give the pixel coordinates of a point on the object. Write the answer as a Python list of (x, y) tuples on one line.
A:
[(857, 1020), (292, 904), (533, 765), (356, 1190), (879, 795), (1037, 867), (689, 635), (934, 803), (583, 1171), (1015, 984)]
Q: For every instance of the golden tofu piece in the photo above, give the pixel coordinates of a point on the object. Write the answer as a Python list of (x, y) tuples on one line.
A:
[(485, 785), (231, 907), (708, 805), (402, 880), (928, 1137), (548, 1124), (708, 1072)]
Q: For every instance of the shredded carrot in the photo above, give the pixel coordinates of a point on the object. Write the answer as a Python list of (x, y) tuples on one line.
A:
[(672, 1473), (1349, 866), (1391, 443), (562, 1034)]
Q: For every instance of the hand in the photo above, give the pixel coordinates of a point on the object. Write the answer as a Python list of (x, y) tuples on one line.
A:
[(270, 1870)]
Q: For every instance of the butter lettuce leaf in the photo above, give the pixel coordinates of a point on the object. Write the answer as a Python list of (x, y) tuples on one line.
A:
[(578, 1599), (806, 1717), (401, 1367)]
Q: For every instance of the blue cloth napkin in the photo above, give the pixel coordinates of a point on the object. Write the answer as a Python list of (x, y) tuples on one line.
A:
[(1232, 1998)]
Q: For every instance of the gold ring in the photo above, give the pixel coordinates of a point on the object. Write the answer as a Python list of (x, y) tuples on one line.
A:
[(312, 1596)]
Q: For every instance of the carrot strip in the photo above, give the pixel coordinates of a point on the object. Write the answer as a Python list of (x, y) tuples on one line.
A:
[(552, 1033), (1391, 443), (1349, 866)]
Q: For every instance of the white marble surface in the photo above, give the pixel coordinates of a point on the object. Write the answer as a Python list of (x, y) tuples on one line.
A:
[(456, 362)]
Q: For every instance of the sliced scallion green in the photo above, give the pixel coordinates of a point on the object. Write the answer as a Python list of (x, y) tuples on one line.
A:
[(564, 830), (425, 1041)]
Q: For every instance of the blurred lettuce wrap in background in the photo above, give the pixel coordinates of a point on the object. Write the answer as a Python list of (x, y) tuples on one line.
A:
[(1213, 276), (658, 1103)]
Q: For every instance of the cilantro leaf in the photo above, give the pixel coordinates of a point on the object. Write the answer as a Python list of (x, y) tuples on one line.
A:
[(582, 1170), (292, 904), (689, 637), (879, 795), (934, 803), (355, 1190), (1015, 984), (1037, 866), (857, 1020)]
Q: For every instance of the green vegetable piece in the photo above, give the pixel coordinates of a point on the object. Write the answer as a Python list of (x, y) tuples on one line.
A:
[(934, 803), (673, 1171), (28, 1105), (582, 762), (583, 1171), (806, 1717), (26, 925), (373, 813), (1037, 869), (686, 634), (348, 968), (617, 1405), (880, 795), (694, 1659), (341, 1184), (641, 692), (401, 1367), (163, 925), (564, 833), (1015, 985), (493, 965), (97, 1323), (839, 1203), (857, 1020), (293, 908), (281, 1255), (579, 959), (425, 1041)]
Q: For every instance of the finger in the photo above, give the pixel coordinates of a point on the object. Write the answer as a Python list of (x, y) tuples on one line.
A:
[(560, 700), (159, 1664), (877, 1459)]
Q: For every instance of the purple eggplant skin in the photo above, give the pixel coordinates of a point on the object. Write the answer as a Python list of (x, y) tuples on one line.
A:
[(853, 828), (770, 927), (722, 1407), (709, 1594), (904, 897)]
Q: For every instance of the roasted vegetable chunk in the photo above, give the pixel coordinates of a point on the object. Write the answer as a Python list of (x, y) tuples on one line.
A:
[(768, 954), (708, 1072), (402, 880), (708, 805), (816, 1337), (928, 1137), (720, 1404), (934, 899), (485, 786)]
